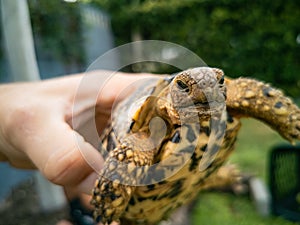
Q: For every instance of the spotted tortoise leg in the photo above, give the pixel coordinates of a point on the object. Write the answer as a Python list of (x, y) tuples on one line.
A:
[(252, 98), (227, 177), (118, 179)]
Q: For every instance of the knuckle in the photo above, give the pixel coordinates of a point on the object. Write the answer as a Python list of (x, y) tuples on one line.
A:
[(65, 167)]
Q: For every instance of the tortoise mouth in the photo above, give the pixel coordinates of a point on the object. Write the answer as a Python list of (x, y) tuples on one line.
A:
[(208, 105), (199, 104), (201, 109)]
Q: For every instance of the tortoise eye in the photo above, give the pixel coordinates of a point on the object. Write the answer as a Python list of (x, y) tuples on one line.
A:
[(182, 86), (221, 81)]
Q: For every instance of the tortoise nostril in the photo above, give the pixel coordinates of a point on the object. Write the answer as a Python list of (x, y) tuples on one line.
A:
[(181, 85)]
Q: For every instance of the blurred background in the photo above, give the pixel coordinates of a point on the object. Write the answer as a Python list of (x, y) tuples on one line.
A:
[(259, 39)]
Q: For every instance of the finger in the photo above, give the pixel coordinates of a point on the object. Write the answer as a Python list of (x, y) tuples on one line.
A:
[(103, 87), (98, 91), (64, 222), (62, 155), (87, 183), (119, 86)]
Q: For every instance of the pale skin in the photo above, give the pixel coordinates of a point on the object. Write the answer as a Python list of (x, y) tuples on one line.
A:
[(37, 125)]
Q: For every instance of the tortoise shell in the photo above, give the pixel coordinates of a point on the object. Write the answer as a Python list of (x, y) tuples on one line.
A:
[(170, 138)]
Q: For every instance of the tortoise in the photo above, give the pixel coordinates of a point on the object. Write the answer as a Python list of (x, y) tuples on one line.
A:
[(176, 141)]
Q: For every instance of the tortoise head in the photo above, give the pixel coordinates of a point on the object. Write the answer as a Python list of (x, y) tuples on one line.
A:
[(198, 92)]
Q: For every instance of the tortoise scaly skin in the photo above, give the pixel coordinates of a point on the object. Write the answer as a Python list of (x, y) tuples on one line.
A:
[(176, 142)]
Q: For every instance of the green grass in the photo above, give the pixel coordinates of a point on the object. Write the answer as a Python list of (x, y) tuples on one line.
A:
[(252, 153), (226, 209)]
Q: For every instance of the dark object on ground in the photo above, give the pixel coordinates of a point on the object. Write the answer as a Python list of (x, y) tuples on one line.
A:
[(285, 181), (80, 215)]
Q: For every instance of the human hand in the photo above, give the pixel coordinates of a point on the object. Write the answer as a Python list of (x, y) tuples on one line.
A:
[(41, 128)]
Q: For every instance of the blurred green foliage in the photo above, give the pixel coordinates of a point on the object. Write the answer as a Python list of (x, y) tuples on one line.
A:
[(57, 30), (244, 38)]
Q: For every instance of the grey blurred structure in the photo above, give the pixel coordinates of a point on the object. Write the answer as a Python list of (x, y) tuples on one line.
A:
[(18, 62)]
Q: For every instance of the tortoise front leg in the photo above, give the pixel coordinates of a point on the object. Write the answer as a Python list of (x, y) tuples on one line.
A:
[(251, 98), (117, 181)]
